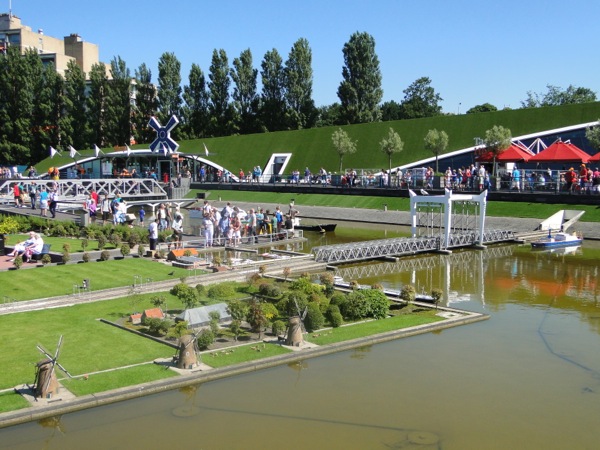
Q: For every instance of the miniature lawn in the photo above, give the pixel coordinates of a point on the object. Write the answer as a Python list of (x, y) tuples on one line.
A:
[(10, 401), (56, 280), (240, 354), (58, 242), (372, 327)]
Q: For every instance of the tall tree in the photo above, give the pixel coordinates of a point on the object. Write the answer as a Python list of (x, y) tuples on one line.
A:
[(97, 104), (484, 107), (436, 142), (119, 103), (41, 129), (17, 96), (245, 97), (391, 145), (342, 144), (497, 139), (298, 86), (218, 86), (74, 122), (555, 96), (593, 135), (272, 100), (421, 100), (391, 111), (329, 115), (146, 104), (360, 92), (195, 111), (169, 87)]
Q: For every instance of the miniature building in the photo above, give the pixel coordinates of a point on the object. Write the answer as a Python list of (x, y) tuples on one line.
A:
[(199, 317), (136, 319), (154, 313)]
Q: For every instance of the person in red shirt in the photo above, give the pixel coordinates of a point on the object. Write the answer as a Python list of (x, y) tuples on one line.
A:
[(17, 194)]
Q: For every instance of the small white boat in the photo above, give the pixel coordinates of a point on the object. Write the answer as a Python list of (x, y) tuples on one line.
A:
[(557, 240)]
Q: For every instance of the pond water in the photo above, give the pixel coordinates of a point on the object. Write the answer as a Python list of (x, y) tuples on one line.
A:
[(529, 377)]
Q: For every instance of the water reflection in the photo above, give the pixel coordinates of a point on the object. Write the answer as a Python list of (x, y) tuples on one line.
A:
[(527, 378)]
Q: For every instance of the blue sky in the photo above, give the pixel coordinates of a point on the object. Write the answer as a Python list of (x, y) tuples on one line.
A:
[(473, 51)]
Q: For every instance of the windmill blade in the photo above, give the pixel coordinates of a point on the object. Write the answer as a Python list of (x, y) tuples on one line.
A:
[(65, 371), (60, 339), (304, 314), (194, 339), (44, 351)]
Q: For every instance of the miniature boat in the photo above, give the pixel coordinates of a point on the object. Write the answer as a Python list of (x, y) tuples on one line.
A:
[(320, 228), (558, 240)]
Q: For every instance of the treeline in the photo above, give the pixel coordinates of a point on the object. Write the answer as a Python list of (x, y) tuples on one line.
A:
[(40, 108)]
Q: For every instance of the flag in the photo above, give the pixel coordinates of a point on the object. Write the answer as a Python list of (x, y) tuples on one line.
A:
[(205, 150), (73, 152), (97, 150), (53, 152)]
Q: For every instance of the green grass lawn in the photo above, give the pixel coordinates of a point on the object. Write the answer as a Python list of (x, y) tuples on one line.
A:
[(88, 344), (58, 242), (354, 331), (11, 401), (56, 280), (100, 382), (494, 209), (244, 353)]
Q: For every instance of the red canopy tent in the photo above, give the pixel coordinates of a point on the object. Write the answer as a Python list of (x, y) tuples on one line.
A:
[(595, 158), (514, 153), (561, 152)]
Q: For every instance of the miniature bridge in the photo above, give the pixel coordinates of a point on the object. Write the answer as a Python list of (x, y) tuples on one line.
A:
[(366, 250)]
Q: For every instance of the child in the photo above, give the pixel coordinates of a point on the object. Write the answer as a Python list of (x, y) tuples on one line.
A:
[(142, 214)]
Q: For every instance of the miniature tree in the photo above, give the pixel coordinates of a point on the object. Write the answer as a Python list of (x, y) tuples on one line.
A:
[(125, 249), (18, 262), (408, 293), (66, 256), (287, 271), (436, 294), (84, 244), (85, 257), (141, 251), (46, 259)]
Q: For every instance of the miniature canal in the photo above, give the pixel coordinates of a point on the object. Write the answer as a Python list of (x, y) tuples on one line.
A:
[(527, 378)]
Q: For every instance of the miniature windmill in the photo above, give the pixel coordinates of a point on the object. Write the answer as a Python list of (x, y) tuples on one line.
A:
[(46, 384), (296, 328), (188, 351)]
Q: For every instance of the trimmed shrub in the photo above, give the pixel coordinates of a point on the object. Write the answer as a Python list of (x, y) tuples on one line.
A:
[(125, 249), (220, 291), (379, 304), (338, 299), (356, 306), (85, 257), (201, 289), (205, 338), (101, 241), (269, 290), (105, 255), (46, 259), (278, 327), (314, 319), (18, 262), (141, 250), (336, 319), (408, 293), (66, 256)]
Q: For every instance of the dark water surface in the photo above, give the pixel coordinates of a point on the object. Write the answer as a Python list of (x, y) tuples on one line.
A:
[(528, 378)]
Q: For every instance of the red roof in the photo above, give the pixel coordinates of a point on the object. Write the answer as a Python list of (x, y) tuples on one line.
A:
[(561, 152), (514, 153), (595, 158), (154, 313)]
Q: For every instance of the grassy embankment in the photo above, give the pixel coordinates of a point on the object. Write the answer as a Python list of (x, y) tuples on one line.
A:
[(313, 147)]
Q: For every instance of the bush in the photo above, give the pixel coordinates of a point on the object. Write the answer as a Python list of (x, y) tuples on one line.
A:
[(125, 249), (133, 240), (141, 250), (115, 239), (291, 302), (336, 319), (101, 242), (46, 259), (338, 299), (221, 291), (201, 289), (269, 290), (186, 294), (84, 244), (379, 304), (408, 293), (66, 247), (356, 306), (18, 262), (85, 257), (314, 319), (278, 327), (66, 256), (105, 255), (205, 338)]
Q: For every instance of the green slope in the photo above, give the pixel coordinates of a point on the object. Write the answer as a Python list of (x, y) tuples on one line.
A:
[(313, 147)]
